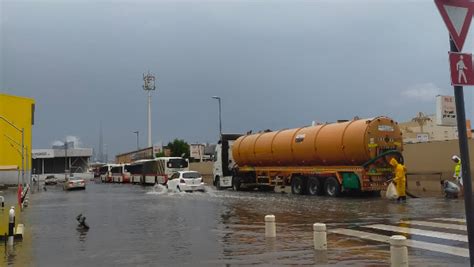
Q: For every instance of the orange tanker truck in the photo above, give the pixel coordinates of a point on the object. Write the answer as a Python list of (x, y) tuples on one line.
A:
[(323, 159)]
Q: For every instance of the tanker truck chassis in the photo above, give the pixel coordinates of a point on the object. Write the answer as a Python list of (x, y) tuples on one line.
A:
[(326, 159), (315, 180)]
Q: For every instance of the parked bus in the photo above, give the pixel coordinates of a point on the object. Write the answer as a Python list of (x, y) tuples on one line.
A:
[(105, 173), (158, 170), (136, 171), (120, 174)]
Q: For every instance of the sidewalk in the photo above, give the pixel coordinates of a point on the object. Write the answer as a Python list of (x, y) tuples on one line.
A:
[(10, 196)]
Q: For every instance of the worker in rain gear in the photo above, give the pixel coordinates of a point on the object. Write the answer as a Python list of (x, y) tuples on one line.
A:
[(400, 179), (458, 171)]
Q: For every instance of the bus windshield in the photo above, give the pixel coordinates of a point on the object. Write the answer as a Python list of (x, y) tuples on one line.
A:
[(103, 170), (177, 163)]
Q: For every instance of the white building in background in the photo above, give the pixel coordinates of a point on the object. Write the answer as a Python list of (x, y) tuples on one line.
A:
[(196, 151), (435, 127), (56, 161), (201, 152)]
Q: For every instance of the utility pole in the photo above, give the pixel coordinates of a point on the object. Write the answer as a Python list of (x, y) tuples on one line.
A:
[(220, 116), (101, 144), (148, 86), (65, 160)]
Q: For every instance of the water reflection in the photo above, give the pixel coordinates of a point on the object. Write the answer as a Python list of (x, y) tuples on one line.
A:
[(9, 254), (82, 233), (216, 228), (270, 244), (320, 257)]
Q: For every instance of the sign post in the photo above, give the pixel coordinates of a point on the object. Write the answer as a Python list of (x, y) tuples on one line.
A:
[(457, 15), (465, 161)]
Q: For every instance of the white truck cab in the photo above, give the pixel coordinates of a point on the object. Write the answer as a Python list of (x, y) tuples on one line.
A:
[(224, 162)]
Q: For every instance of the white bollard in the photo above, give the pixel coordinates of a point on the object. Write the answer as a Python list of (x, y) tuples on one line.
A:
[(398, 251), (270, 228), (319, 236), (11, 226)]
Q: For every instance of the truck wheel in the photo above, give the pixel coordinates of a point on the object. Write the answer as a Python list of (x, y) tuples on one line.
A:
[(314, 186), (297, 185), (218, 183), (236, 183), (332, 187)]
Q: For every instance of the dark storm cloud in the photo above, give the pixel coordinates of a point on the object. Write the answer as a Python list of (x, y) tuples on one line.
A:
[(275, 64)]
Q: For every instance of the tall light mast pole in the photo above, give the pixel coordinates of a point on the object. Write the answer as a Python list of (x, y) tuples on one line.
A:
[(148, 86), (220, 116)]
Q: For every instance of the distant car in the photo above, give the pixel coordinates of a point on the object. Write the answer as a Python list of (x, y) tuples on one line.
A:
[(74, 183), (50, 180), (187, 181)]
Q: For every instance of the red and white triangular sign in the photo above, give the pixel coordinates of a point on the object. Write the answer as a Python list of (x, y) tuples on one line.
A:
[(457, 15)]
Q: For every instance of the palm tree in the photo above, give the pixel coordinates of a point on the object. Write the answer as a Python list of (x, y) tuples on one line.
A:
[(421, 119)]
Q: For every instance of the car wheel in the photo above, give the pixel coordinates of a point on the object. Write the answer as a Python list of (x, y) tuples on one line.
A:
[(332, 187), (314, 186)]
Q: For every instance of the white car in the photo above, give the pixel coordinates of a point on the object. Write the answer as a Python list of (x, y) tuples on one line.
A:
[(74, 183), (187, 181), (50, 180)]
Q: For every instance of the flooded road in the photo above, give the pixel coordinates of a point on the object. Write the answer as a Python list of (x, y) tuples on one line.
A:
[(131, 225)]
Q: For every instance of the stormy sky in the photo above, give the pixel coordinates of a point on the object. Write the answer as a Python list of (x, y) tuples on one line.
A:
[(275, 64)]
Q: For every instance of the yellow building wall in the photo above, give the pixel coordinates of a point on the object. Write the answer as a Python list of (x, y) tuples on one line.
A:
[(19, 111)]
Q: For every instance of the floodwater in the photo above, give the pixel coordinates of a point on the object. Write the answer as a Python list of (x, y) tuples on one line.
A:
[(131, 225)]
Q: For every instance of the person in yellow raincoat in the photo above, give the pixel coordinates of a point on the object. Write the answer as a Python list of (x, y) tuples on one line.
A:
[(400, 179)]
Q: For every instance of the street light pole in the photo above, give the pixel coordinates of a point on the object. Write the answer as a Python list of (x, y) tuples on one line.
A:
[(22, 156), (66, 167), (20, 153), (22, 131), (220, 116), (137, 133)]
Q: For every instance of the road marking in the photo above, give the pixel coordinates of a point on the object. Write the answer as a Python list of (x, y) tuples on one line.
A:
[(437, 225), (411, 243), (450, 220), (414, 231)]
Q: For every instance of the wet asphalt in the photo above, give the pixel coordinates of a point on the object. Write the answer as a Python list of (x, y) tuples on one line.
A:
[(131, 225)]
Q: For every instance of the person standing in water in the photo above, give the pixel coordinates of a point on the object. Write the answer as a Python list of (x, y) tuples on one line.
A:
[(400, 179)]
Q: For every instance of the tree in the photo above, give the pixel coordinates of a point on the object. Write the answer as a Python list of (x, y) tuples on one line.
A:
[(179, 148), (160, 154), (421, 119)]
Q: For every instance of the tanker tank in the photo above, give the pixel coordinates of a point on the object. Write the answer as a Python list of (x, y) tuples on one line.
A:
[(349, 143)]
